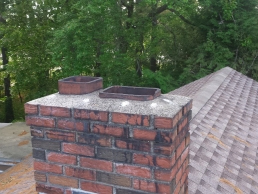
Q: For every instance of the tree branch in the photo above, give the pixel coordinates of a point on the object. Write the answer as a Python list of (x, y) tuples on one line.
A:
[(158, 11), (161, 9), (164, 8), (181, 17)]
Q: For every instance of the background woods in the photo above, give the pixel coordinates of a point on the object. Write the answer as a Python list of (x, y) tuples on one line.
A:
[(155, 43)]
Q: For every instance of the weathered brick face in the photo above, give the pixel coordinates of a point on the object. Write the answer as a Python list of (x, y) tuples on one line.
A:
[(109, 152)]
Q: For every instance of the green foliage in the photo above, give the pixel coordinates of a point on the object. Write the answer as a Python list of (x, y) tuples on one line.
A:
[(148, 43), (158, 80), (126, 39), (230, 38), (18, 110), (25, 33)]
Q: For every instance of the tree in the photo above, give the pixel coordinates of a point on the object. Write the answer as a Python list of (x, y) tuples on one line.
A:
[(153, 43), (121, 41), (27, 30), (7, 80), (229, 38)]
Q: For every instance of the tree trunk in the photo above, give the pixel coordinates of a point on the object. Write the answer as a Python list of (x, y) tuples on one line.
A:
[(4, 56), (153, 60), (7, 82), (9, 116), (138, 62), (7, 85), (153, 64), (98, 64)]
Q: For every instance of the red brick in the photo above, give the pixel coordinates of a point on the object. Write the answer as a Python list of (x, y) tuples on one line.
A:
[(134, 145), (181, 137), (165, 162), (45, 110), (66, 124), (60, 135), (144, 185), (168, 137), (186, 182), (70, 125), (186, 187), (178, 163), (110, 130), (184, 176), (40, 122), (182, 125), (63, 181), (143, 159), (78, 149), (163, 122), (179, 174), (133, 170), (68, 191), (55, 111), (40, 176), (61, 158), (31, 109), (187, 107), (185, 164), (177, 118), (164, 149), (36, 132), (97, 188), (130, 119), (187, 139), (177, 189), (185, 154), (148, 135), (91, 114), (179, 115), (182, 190), (94, 139), (80, 173), (180, 149), (79, 126), (46, 167), (165, 175), (48, 189), (96, 164), (163, 188)]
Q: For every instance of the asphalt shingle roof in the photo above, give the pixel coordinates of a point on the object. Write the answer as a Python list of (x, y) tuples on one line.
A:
[(19, 179), (224, 133)]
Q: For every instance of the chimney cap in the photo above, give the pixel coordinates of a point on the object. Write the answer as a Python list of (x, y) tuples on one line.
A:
[(130, 93), (78, 85)]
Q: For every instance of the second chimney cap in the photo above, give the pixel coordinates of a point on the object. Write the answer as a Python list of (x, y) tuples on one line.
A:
[(130, 93)]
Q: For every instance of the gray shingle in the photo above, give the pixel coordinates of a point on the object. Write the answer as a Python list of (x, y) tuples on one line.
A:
[(224, 133)]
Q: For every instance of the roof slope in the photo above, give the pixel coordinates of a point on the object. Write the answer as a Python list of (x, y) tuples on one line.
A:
[(19, 179), (224, 133)]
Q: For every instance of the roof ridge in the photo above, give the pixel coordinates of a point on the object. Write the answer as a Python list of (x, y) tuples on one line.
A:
[(202, 96)]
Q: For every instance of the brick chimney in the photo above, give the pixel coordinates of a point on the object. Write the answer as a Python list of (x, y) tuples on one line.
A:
[(98, 143)]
